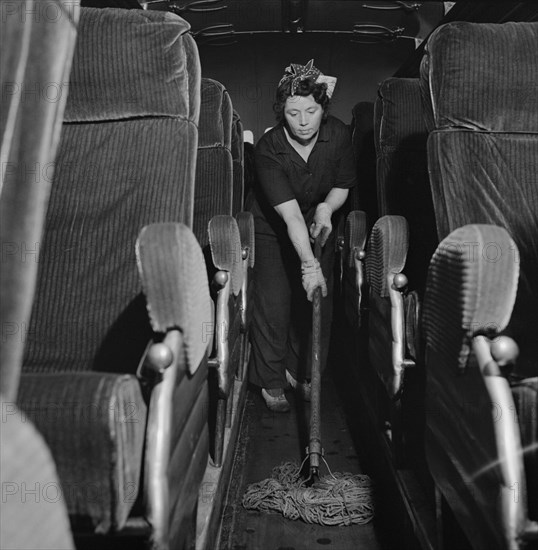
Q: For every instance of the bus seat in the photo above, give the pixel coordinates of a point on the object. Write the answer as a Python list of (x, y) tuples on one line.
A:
[(245, 222), (214, 163), (34, 63), (126, 160), (386, 253), (399, 247), (402, 173), (479, 90), (353, 268), (467, 304), (35, 59), (360, 212), (228, 243)]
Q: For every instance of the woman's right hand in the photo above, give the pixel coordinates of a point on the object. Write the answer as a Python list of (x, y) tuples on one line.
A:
[(313, 278)]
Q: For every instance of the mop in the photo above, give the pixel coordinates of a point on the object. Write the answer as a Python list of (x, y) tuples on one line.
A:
[(333, 499)]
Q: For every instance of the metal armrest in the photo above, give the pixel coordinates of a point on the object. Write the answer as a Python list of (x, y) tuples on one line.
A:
[(174, 279), (225, 243), (245, 222), (353, 254), (385, 260), (472, 436)]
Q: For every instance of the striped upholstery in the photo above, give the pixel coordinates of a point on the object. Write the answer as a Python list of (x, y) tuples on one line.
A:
[(238, 170), (126, 159), (214, 166), (483, 168), (34, 57), (402, 174), (480, 86), (195, 77), (500, 187), (216, 115), (88, 291), (36, 52), (98, 417), (88, 288), (465, 293), (482, 77), (398, 115), (129, 70)]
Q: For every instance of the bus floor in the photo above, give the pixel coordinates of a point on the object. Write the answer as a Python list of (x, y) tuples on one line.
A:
[(268, 439)]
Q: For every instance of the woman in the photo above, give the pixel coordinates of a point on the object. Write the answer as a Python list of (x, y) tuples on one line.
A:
[(305, 168)]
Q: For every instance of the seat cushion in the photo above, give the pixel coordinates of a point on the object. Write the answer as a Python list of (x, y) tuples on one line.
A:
[(130, 63), (482, 77), (34, 514), (94, 424)]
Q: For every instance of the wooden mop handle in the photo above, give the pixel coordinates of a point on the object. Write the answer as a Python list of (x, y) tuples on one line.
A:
[(314, 447)]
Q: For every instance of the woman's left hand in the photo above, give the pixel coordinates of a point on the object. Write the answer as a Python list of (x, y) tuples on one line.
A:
[(322, 222)]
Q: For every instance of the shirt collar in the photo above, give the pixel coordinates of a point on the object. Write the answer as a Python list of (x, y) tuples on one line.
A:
[(282, 145)]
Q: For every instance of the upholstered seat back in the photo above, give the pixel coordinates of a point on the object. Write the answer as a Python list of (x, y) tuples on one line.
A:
[(214, 166), (35, 61), (481, 77), (36, 53), (402, 174), (126, 159), (238, 167), (480, 85), (480, 91)]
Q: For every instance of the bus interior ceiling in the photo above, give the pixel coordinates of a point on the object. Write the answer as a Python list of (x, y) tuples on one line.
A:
[(245, 45)]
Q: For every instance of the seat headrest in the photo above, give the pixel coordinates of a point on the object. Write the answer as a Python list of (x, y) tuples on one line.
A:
[(482, 76), (129, 63), (398, 115), (216, 115)]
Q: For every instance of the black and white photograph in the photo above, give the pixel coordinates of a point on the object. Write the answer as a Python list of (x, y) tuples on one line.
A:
[(269, 275)]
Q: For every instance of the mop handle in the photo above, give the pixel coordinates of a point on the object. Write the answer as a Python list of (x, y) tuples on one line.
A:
[(314, 447)]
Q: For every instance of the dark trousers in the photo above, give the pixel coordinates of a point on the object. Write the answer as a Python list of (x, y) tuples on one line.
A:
[(281, 329)]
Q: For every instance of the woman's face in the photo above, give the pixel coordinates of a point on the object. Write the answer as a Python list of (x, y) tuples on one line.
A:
[(303, 116)]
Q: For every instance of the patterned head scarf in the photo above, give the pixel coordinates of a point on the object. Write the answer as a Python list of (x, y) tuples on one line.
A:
[(296, 73)]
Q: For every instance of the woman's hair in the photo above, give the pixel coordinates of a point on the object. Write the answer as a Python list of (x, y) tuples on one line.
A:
[(304, 88)]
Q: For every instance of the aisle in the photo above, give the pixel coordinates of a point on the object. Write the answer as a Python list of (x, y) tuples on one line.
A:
[(266, 440)]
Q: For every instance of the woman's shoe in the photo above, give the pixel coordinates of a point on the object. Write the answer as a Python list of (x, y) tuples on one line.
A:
[(304, 389), (276, 400)]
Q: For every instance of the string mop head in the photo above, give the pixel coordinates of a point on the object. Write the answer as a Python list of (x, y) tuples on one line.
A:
[(335, 499)]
